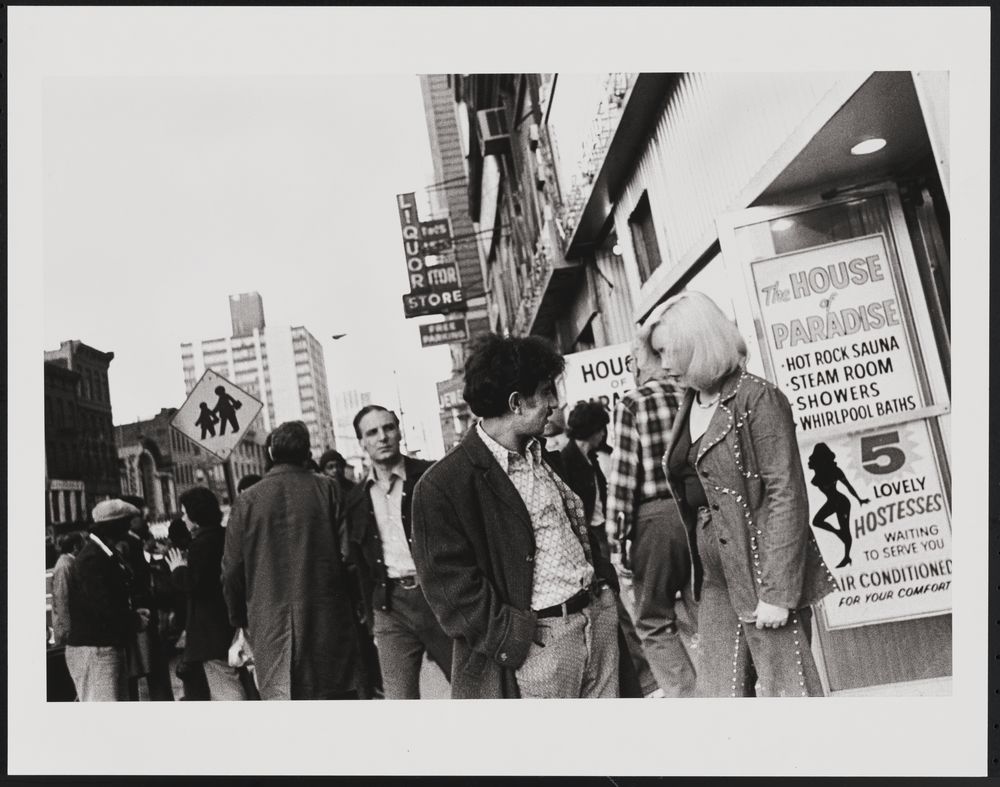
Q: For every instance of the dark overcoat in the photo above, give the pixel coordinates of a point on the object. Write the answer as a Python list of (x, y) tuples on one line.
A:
[(750, 468), (474, 548), (284, 580), (209, 632), (584, 478), (100, 611)]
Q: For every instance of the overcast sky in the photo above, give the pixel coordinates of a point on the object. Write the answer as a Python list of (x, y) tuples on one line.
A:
[(175, 192)]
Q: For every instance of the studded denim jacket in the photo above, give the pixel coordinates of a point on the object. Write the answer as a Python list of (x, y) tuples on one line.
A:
[(750, 468)]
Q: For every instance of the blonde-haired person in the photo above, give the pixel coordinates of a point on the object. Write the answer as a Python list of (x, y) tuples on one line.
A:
[(734, 469)]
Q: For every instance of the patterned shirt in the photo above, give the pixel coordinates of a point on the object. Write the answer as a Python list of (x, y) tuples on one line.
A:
[(561, 566), (387, 500), (643, 420)]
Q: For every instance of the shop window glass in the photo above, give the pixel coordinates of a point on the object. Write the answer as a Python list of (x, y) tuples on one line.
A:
[(647, 250)]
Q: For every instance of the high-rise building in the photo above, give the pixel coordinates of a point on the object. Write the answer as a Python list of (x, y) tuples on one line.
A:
[(247, 313), (346, 405), (449, 196), (283, 367), (81, 461)]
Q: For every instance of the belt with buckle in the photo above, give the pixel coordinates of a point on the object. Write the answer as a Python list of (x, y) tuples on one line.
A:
[(569, 606), (407, 583)]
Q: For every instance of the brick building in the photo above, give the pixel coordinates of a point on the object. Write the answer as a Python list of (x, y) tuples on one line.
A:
[(80, 459)]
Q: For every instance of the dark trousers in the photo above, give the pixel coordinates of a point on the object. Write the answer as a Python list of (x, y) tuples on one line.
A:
[(403, 633), (661, 565), (157, 656), (192, 675), (370, 672), (634, 676)]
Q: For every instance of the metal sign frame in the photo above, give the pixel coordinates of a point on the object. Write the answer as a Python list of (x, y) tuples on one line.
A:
[(243, 432)]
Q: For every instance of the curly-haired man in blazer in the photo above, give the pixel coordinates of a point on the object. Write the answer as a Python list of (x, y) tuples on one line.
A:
[(502, 546)]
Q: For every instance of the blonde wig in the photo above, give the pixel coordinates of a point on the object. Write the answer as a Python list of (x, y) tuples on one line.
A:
[(704, 345)]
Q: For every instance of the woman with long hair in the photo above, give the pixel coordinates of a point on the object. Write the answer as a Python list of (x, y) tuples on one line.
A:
[(826, 475), (734, 470)]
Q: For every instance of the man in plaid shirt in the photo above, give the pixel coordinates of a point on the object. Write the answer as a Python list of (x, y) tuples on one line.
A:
[(640, 510)]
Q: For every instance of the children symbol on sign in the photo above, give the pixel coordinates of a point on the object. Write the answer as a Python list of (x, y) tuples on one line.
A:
[(206, 420), (827, 474), (226, 409)]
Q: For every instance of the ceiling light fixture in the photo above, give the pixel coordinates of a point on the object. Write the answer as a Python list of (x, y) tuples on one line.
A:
[(616, 250), (867, 146), (780, 225)]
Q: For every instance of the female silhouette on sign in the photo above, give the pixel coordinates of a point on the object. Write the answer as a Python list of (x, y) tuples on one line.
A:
[(827, 474), (226, 409), (206, 420)]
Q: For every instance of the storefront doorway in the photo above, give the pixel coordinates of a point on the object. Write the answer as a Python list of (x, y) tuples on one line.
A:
[(840, 286)]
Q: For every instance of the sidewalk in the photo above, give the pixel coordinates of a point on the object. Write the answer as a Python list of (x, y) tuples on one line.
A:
[(433, 685)]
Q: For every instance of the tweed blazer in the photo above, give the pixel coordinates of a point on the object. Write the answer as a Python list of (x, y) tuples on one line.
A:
[(474, 548), (750, 468)]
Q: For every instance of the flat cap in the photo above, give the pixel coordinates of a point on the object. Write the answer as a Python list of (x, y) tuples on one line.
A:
[(110, 510)]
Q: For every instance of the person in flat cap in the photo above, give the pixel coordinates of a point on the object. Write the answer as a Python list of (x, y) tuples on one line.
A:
[(102, 617)]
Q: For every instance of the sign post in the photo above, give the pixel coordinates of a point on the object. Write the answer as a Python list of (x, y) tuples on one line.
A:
[(435, 235), (604, 374), (434, 289), (215, 416), (452, 329), (835, 335), (836, 338)]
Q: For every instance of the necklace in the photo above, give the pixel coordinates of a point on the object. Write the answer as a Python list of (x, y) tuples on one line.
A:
[(706, 405)]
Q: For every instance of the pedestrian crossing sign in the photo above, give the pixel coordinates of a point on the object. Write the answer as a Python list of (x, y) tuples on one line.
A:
[(216, 414)]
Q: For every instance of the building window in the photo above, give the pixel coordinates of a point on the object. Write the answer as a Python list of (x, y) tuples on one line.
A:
[(647, 251)]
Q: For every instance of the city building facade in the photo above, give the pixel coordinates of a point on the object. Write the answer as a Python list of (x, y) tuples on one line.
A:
[(448, 198), (515, 200), (283, 367), (814, 209), (80, 460)]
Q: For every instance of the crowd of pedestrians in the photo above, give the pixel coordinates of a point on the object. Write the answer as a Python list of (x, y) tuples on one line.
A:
[(678, 563)]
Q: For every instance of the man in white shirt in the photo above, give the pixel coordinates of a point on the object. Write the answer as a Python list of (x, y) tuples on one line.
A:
[(378, 514)]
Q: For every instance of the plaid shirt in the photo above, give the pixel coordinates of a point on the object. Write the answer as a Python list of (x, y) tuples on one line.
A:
[(643, 420)]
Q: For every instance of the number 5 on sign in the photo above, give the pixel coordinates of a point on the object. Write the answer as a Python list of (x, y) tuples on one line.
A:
[(878, 447), (879, 512)]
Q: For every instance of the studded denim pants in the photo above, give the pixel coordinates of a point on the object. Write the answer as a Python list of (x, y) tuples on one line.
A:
[(734, 656)]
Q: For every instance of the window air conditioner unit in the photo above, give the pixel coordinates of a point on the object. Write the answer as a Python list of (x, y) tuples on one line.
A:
[(533, 136), (494, 136)]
